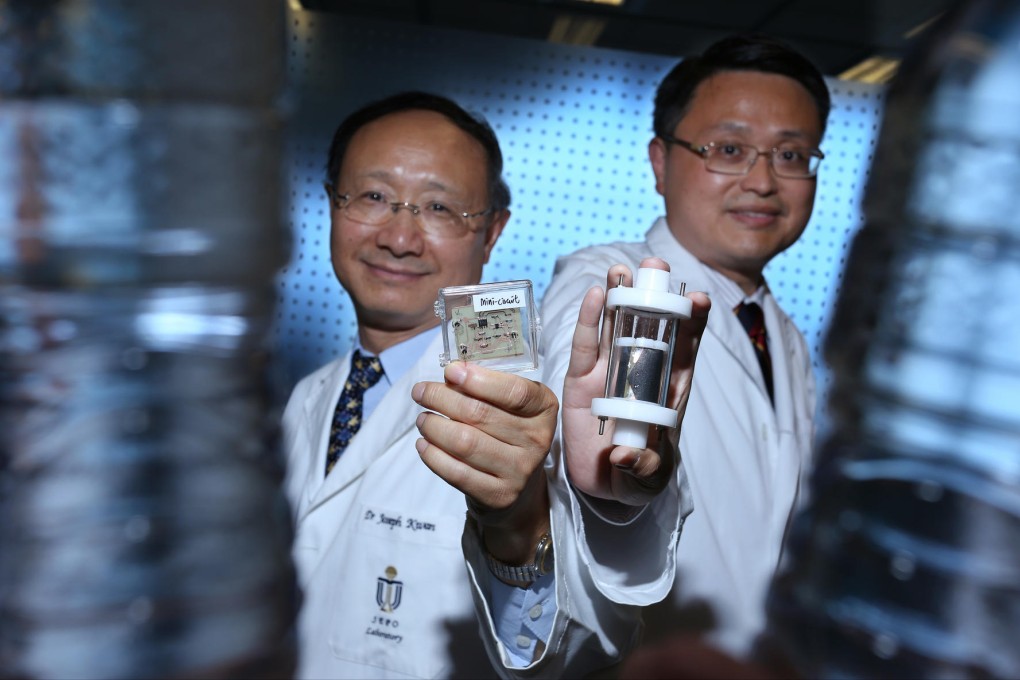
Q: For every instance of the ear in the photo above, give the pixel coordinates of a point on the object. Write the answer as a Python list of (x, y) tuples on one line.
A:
[(658, 154), (493, 231)]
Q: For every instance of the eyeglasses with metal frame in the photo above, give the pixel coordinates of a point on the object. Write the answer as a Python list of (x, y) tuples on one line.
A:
[(733, 158), (375, 209)]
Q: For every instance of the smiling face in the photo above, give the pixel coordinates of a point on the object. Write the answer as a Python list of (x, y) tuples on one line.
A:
[(394, 271), (737, 223)]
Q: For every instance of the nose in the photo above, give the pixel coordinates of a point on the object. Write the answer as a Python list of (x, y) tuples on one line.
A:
[(401, 234), (760, 179)]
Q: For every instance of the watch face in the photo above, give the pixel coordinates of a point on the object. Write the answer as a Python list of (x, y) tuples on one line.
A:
[(544, 560)]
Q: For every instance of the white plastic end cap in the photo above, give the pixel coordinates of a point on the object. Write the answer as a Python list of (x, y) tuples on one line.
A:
[(632, 433), (652, 279)]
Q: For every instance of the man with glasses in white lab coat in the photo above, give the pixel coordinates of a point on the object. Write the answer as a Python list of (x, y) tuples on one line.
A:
[(386, 450), (735, 156)]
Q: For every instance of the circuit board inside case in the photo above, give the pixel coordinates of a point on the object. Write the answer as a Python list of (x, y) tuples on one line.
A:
[(487, 335)]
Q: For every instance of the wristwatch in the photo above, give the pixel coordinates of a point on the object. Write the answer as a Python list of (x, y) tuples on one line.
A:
[(525, 573)]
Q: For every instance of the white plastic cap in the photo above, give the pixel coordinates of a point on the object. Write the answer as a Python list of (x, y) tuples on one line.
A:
[(650, 293), (652, 279), (632, 433)]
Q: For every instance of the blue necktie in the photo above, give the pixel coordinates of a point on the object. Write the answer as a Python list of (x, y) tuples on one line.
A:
[(365, 372), (753, 319)]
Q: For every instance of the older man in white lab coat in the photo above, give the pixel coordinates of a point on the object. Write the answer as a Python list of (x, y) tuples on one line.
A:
[(416, 204)]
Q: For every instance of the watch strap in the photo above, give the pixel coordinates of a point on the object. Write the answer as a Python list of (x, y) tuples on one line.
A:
[(525, 573)]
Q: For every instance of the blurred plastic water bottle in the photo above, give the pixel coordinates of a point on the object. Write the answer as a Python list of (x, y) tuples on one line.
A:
[(143, 533), (907, 562)]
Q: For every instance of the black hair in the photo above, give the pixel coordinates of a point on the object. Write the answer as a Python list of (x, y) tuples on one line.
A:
[(742, 52), (473, 124)]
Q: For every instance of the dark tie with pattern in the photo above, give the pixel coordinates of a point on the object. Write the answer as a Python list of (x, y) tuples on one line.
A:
[(753, 319), (365, 372)]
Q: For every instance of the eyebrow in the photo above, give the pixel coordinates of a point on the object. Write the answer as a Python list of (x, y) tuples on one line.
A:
[(732, 126), (386, 176)]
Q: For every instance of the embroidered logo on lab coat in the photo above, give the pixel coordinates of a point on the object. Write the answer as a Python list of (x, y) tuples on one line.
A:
[(388, 591)]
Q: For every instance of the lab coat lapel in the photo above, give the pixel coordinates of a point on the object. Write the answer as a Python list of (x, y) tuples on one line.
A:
[(319, 404), (786, 380), (393, 418), (731, 334)]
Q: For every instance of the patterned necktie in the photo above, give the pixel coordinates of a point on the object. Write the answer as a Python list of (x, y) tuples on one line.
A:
[(753, 319), (365, 372)]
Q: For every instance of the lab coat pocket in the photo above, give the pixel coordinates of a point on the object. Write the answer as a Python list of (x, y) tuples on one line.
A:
[(410, 588)]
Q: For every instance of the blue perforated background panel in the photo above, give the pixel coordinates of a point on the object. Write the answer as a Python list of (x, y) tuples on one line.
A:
[(574, 123)]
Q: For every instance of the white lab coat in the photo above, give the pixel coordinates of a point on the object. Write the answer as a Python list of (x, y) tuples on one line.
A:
[(746, 462), (383, 532)]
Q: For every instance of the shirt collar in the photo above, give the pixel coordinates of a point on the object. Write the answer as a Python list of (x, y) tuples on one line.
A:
[(728, 293), (398, 360)]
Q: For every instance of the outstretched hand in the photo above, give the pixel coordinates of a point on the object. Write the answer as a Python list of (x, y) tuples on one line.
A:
[(628, 475), (491, 445)]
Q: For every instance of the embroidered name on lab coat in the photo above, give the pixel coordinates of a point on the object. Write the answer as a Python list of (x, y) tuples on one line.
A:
[(402, 526)]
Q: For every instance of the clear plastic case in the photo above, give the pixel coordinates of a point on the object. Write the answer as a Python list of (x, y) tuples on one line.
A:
[(494, 325)]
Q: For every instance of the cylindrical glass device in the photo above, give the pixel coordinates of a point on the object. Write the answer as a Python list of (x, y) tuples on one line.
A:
[(637, 381)]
